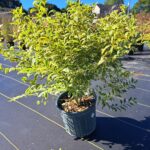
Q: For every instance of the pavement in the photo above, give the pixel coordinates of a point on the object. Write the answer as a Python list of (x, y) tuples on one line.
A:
[(26, 126)]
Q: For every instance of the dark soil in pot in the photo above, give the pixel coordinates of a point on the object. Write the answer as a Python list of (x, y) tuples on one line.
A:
[(71, 105)]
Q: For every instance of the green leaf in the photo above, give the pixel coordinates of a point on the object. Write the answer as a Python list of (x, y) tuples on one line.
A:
[(1, 67), (24, 79), (102, 60), (38, 102), (6, 70)]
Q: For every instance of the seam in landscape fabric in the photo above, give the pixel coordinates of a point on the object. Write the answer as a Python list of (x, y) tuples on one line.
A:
[(9, 141)]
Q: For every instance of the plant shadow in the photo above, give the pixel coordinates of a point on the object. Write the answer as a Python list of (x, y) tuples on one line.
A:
[(112, 131)]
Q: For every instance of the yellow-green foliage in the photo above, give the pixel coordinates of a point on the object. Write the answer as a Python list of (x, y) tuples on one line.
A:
[(68, 50)]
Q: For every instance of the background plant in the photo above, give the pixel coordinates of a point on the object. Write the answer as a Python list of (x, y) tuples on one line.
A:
[(141, 6), (7, 28), (68, 52), (143, 23)]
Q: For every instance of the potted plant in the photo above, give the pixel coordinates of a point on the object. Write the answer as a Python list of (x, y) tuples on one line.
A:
[(72, 54)]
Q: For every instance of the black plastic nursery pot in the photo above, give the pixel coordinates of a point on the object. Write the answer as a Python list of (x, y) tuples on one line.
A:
[(141, 47), (78, 124)]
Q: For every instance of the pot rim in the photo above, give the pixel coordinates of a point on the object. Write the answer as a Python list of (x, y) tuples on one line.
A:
[(74, 113)]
